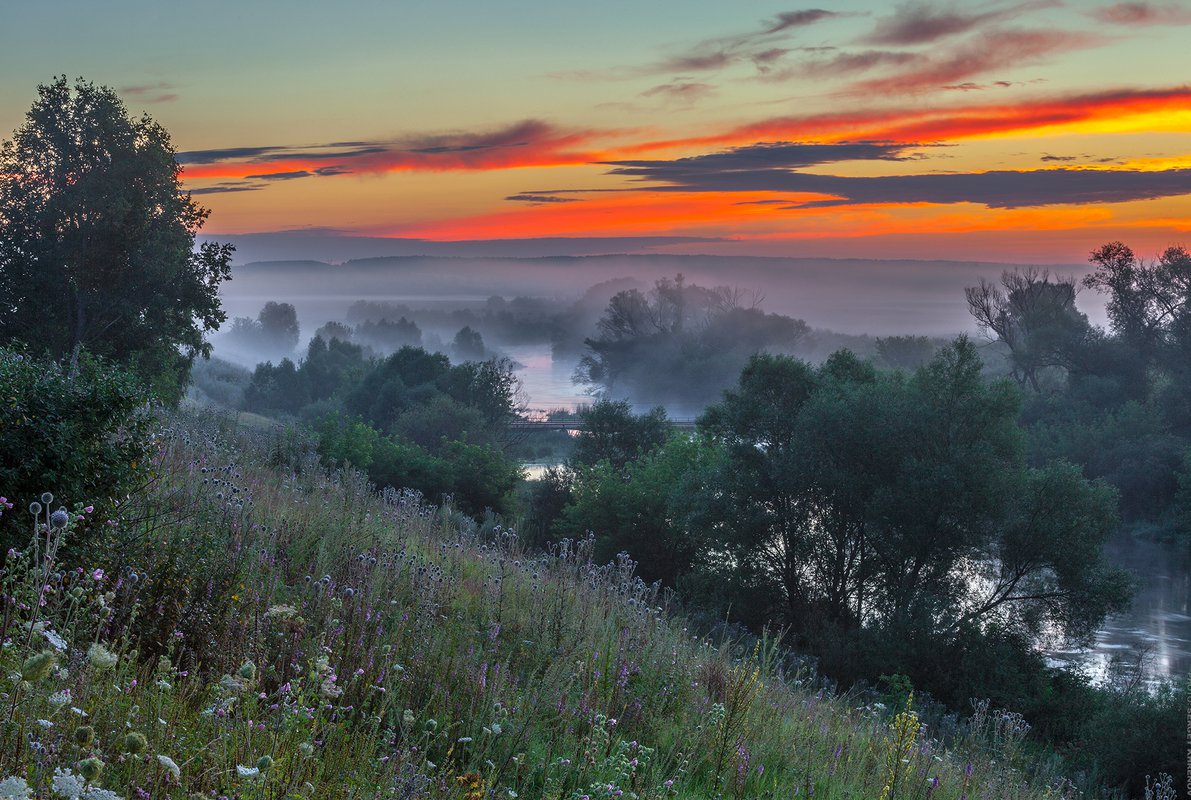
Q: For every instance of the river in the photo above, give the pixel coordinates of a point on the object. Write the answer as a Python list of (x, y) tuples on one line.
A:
[(1156, 627)]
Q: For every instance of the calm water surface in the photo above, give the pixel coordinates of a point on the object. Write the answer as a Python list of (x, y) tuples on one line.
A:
[(1157, 627)]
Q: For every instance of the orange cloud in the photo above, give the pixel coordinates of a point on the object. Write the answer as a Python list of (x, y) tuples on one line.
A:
[(1117, 111)]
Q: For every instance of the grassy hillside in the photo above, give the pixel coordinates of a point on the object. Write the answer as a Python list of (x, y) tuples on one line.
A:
[(251, 626)]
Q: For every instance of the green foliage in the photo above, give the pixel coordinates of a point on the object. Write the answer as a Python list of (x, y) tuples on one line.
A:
[(682, 344), (220, 383), (97, 240), (279, 326), (380, 649), (469, 344), (612, 433), (1034, 317), (85, 437), (1129, 446), (863, 500), (905, 352), (645, 508), (277, 389), (475, 477)]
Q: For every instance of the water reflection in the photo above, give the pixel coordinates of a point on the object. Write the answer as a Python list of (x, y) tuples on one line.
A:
[(546, 381), (1156, 628)]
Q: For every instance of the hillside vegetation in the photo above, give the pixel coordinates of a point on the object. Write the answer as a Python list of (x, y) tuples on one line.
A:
[(250, 625)]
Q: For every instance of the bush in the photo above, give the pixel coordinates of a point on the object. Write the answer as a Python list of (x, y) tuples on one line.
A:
[(83, 436)]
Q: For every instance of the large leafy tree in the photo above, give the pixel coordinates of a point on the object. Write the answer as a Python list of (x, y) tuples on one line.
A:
[(681, 344), (868, 500), (97, 239), (1034, 317)]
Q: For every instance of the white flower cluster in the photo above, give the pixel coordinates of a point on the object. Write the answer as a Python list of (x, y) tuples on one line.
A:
[(72, 787)]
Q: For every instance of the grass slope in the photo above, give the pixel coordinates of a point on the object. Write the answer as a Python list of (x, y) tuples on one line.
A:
[(251, 626)]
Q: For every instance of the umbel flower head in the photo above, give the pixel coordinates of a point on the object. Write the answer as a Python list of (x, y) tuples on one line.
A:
[(247, 671), (90, 769), (38, 666), (15, 788), (84, 735), (135, 743), (171, 766), (100, 657)]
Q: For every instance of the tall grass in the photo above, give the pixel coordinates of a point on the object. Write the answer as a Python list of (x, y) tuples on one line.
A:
[(251, 625)]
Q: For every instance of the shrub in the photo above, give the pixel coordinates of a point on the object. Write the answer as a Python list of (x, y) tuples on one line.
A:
[(84, 435)]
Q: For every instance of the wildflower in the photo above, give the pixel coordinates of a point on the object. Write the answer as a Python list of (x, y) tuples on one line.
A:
[(306, 749), (247, 772), (97, 575), (135, 743), (56, 641), (264, 763), (35, 508), (90, 768), (408, 717), (66, 784), (59, 519), (230, 685), (329, 689), (47, 498), (38, 667), (84, 735), (59, 699), (89, 509), (100, 657), (14, 788), (171, 766), (247, 671)]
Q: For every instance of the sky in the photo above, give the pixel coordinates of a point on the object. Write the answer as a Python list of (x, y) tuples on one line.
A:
[(1028, 131)]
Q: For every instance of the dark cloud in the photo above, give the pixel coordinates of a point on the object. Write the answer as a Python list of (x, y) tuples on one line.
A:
[(1007, 188), (539, 199), (852, 63), (524, 143), (776, 168), (759, 47), (160, 92), (769, 56), (695, 62), (970, 86), (279, 153), (682, 92), (227, 188), (798, 19), (520, 134), (990, 51), (1060, 158), (777, 156), (280, 176), (923, 22), (1144, 14), (225, 154)]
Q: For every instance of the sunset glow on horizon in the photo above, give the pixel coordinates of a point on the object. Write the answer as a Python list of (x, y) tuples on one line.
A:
[(1019, 131)]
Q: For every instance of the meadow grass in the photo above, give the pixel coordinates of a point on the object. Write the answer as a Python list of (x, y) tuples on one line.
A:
[(251, 625)]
